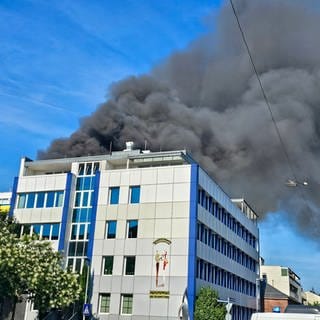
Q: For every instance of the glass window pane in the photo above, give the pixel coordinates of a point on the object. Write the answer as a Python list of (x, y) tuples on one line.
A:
[(22, 200), (81, 169), (50, 199), (80, 247), (36, 229), (46, 231), (130, 265), (77, 200), (59, 198), (74, 232), (108, 265), (111, 229), (126, 300), (40, 199), (55, 231), (132, 228), (84, 216), (88, 168), (72, 249), (87, 183), (30, 200), (81, 231), (114, 195), (135, 194), (85, 197), (95, 167), (104, 303)]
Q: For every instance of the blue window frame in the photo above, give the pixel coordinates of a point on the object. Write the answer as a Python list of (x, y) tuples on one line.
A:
[(55, 231), (22, 200), (111, 228), (134, 194), (59, 199), (50, 199), (46, 231), (36, 228), (30, 200), (40, 199), (114, 193)]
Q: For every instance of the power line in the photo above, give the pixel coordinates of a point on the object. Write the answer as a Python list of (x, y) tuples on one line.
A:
[(284, 149)]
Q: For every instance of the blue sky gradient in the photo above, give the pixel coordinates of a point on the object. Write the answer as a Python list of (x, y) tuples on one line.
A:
[(57, 60)]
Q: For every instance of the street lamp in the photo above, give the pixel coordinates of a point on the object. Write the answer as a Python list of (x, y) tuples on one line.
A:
[(87, 260), (295, 183)]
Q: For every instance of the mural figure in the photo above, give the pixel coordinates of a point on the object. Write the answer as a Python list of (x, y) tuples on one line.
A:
[(160, 263), (163, 260), (157, 258)]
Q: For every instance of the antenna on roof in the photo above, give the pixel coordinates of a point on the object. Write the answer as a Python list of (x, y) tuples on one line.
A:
[(145, 144), (110, 147)]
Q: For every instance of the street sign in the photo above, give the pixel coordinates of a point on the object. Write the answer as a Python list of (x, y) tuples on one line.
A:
[(86, 311), (228, 307), (228, 316)]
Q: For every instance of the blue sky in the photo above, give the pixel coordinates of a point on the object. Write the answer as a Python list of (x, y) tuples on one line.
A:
[(57, 60)]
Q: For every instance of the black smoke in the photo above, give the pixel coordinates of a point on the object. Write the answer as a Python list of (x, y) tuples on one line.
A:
[(207, 99)]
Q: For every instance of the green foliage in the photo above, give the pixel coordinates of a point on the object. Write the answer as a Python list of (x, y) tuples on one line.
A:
[(29, 266), (207, 307)]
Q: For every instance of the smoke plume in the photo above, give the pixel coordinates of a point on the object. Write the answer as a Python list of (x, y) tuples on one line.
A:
[(207, 99)]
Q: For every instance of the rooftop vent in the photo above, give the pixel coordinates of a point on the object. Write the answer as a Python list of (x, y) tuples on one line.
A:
[(129, 146)]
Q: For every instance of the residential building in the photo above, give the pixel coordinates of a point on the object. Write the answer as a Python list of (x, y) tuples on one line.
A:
[(284, 279), (311, 298), (273, 300), (5, 198), (154, 226)]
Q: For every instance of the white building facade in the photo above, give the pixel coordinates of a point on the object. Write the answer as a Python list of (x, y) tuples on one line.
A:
[(154, 226), (284, 279)]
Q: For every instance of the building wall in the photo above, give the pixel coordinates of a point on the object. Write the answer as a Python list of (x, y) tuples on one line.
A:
[(244, 303), (169, 213), (312, 298), (269, 304), (279, 278), (163, 212)]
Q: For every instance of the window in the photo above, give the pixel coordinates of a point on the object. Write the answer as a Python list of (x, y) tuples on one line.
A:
[(129, 265), (30, 200), (111, 227), (135, 194), (126, 303), (104, 303), (22, 200), (114, 195), (50, 199), (40, 199), (284, 272), (107, 265), (132, 228)]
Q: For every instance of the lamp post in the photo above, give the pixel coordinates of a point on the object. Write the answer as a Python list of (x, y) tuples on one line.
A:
[(87, 260), (295, 183)]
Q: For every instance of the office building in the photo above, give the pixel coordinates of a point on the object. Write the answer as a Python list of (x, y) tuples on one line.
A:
[(154, 226)]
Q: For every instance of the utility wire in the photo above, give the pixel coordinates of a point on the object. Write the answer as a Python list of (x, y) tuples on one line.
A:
[(284, 149)]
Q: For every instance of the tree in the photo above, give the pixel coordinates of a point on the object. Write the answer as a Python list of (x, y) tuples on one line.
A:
[(31, 267), (207, 307)]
